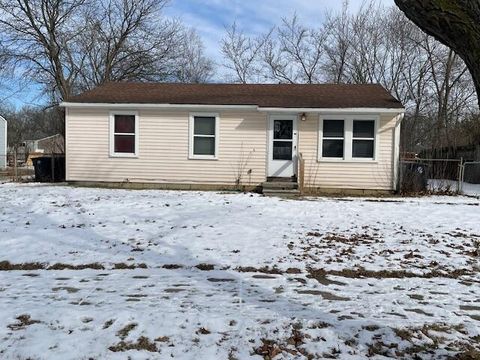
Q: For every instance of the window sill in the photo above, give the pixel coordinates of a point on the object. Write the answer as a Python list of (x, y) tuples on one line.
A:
[(203, 158), (120, 155)]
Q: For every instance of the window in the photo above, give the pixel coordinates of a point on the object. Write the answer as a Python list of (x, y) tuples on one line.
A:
[(333, 138), (348, 138), (124, 134), (203, 136), (282, 139), (363, 139)]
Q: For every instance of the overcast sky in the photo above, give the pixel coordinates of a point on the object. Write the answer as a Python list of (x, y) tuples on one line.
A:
[(210, 17)]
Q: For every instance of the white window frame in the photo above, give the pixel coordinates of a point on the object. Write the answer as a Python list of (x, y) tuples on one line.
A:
[(191, 136), (112, 134), (321, 138), (369, 139), (348, 137)]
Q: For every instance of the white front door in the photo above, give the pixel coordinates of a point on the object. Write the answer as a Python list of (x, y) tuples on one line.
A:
[(282, 154)]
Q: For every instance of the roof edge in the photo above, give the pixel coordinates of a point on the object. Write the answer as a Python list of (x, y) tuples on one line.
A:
[(67, 104)]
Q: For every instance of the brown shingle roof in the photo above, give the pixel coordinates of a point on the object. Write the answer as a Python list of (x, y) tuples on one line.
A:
[(262, 95)]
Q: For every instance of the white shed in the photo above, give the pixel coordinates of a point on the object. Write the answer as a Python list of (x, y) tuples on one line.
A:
[(3, 143)]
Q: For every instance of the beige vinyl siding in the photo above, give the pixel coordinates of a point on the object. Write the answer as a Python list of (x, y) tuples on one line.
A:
[(164, 151), (371, 175), (164, 148)]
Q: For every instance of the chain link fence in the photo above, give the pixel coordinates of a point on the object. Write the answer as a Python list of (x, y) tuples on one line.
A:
[(470, 178), (430, 176), (439, 176)]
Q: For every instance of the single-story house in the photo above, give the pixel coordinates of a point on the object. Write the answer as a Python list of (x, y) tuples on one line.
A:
[(3, 143), (342, 138)]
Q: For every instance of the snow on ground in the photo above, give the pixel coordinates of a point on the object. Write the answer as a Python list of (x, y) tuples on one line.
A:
[(447, 186), (471, 189), (346, 278)]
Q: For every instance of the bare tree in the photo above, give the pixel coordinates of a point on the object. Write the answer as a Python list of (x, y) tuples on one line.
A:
[(69, 46), (377, 45), (193, 66), (127, 40), (295, 54), (242, 54), (337, 45), (34, 37)]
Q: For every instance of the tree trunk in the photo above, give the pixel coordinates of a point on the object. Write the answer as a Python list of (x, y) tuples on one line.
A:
[(456, 23)]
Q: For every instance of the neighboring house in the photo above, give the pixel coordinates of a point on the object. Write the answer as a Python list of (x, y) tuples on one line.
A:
[(30, 149), (222, 136), (53, 144), (50, 145), (3, 143)]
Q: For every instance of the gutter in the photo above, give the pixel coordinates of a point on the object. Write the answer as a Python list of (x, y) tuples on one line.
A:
[(67, 104), (358, 110), (155, 106)]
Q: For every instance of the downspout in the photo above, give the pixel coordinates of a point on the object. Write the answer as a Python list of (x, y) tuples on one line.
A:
[(396, 152)]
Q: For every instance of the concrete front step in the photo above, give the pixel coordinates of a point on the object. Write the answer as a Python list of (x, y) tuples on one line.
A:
[(280, 185), (281, 193), (282, 179)]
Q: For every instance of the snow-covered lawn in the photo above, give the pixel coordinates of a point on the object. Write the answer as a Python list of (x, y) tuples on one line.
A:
[(112, 274)]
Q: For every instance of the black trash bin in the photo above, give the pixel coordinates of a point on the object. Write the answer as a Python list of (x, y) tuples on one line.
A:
[(43, 168), (414, 177)]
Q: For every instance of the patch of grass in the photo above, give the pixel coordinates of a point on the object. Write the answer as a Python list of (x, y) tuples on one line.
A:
[(269, 349), (123, 332), (293, 271), (108, 323), (23, 321), (264, 269), (371, 327), (142, 343), (357, 273), (69, 289), (172, 266), (469, 354), (205, 267), (413, 335), (124, 266), (163, 339), (8, 266), (203, 331), (62, 266)]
